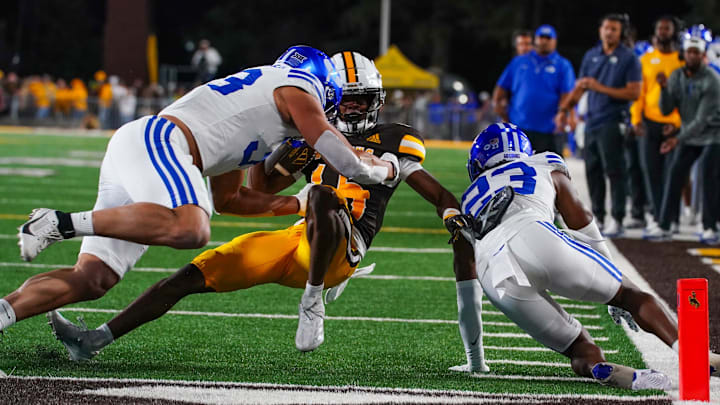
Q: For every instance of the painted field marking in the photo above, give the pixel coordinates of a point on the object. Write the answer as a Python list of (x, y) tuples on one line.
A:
[(331, 318), (465, 396), (533, 348), (53, 161), (25, 172)]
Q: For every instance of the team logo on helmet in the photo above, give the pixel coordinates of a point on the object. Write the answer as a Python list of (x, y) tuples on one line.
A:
[(297, 58), (329, 93), (494, 143)]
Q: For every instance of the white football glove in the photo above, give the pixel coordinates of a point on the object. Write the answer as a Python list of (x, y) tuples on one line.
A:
[(302, 197), (389, 157), (465, 368), (618, 314)]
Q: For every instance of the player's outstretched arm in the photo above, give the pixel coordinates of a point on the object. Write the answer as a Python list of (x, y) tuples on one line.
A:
[(469, 292), (230, 197), (271, 183), (302, 110)]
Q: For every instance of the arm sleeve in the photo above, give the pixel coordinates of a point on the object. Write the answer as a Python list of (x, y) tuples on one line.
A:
[(339, 156), (408, 166), (706, 111), (634, 71)]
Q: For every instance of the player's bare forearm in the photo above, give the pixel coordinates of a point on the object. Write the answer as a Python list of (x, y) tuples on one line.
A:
[(272, 183), (430, 189), (230, 197), (567, 201), (463, 260), (252, 203)]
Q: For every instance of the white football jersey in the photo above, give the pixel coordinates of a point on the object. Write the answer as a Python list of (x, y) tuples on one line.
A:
[(529, 177), (235, 121)]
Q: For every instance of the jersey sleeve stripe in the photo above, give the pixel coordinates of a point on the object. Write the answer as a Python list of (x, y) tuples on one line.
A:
[(555, 161), (319, 93), (412, 146)]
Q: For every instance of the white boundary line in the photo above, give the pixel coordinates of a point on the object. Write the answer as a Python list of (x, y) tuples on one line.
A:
[(325, 388)]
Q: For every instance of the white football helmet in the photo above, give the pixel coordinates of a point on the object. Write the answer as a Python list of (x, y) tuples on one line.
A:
[(359, 77)]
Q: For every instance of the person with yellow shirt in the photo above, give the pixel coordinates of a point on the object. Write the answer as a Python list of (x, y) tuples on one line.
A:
[(79, 98), (646, 118)]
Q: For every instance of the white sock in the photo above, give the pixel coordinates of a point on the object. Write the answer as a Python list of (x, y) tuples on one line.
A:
[(312, 292), (7, 315), (82, 222), (469, 300), (104, 336), (676, 346)]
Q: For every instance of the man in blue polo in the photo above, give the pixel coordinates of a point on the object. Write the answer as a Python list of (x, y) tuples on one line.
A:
[(535, 84), (611, 74)]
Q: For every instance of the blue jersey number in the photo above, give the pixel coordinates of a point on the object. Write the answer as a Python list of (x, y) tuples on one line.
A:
[(235, 83), (482, 185), (247, 155)]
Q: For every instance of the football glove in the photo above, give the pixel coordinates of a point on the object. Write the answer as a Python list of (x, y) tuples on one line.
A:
[(618, 314), (458, 224), (289, 158), (491, 214)]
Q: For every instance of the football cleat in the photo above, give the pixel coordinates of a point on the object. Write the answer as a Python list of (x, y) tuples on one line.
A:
[(618, 314), (74, 338), (38, 233), (613, 229), (466, 368), (709, 237), (310, 333), (650, 380), (657, 234)]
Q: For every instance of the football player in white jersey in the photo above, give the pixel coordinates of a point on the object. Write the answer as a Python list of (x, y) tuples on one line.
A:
[(151, 189), (342, 219), (525, 256)]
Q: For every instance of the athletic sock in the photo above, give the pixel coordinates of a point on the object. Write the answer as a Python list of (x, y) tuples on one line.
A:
[(469, 301), (714, 364), (676, 346), (615, 375), (311, 294), (82, 222), (101, 337), (7, 315)]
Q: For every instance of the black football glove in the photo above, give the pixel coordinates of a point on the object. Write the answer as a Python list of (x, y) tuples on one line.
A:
[(456, 224)]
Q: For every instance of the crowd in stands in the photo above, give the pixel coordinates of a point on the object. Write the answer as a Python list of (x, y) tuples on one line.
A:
[(101, 103)]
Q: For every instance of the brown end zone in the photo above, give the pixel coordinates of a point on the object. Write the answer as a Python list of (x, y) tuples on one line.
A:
[(662, 264)]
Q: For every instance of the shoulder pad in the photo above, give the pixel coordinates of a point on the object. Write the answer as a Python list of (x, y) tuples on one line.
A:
[(400, 139), (555, 161)]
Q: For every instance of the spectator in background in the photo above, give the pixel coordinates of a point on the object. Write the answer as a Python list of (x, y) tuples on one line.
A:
[(11, 86), (647, 119), (694, 91), (79, 99), (103, 93), (206, 60), (535, 84), (611, 74), (42, 91), (63, 98), (522, 42)]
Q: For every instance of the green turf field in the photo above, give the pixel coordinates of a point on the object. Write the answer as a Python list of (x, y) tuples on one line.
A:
[(216, 339)]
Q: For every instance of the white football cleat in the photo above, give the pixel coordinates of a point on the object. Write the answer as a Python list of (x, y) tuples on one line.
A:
[(38, 233), (613, 229), (465, 368), (650, 380), (709, 237), (74, 338), (310, 332)]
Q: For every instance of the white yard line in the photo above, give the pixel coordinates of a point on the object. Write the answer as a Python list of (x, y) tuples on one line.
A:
[(530, 363), (532, 349), (331, 318)]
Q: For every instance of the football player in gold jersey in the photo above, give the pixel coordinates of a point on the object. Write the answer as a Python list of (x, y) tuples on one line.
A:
[(341, 218)]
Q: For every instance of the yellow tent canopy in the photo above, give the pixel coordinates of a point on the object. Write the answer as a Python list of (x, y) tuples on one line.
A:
[(398, 72)]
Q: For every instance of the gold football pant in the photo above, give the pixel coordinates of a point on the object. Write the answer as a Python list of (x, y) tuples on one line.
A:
[(281, 257)]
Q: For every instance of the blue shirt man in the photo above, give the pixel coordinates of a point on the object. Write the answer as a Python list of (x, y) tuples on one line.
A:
[(535, 84)]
